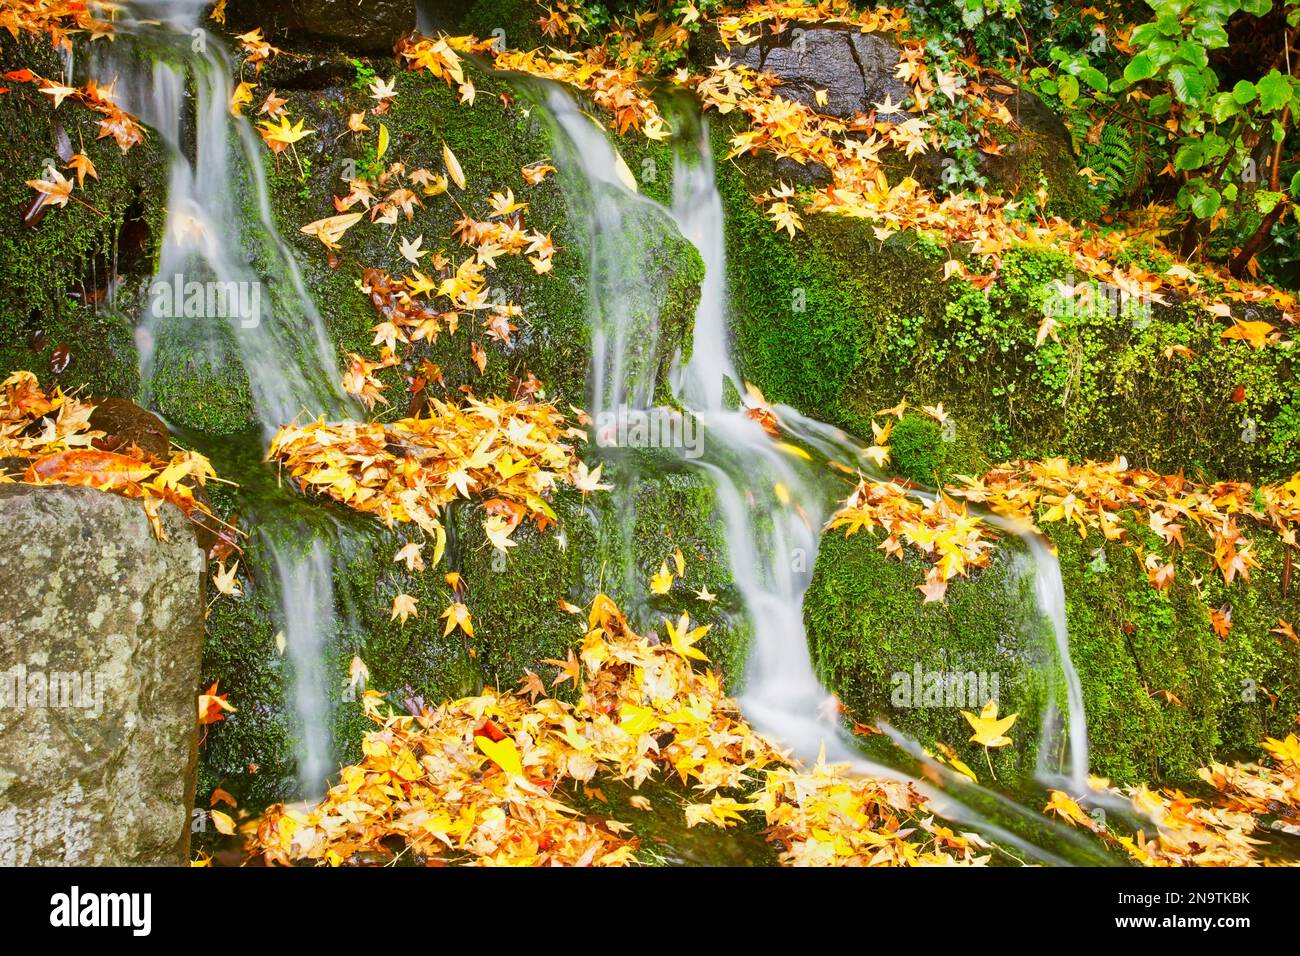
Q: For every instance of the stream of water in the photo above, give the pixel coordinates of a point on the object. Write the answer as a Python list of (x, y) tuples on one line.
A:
[(772, 505), (220, 240)]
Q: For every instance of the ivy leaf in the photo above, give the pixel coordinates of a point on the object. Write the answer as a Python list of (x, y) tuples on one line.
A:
[(1244, 92), (1274, 91), (1188, 83), (1139, 68)]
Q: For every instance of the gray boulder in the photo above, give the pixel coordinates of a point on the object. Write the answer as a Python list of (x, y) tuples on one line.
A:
[(855, 69), (101, 635)]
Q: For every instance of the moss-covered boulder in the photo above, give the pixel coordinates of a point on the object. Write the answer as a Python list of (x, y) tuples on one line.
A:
[(841, 324), (1162, 693), (517, 602), (493, 138)]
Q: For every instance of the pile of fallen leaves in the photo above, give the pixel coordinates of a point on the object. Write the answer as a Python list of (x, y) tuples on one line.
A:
[(51, 432), (481, 780), (1250, 800), (1092, 496), (60, 20), (1095, 495), (950, 539), (513, 453)]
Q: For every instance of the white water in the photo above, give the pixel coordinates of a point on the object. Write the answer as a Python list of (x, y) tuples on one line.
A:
[(772, 543), (177, 77)]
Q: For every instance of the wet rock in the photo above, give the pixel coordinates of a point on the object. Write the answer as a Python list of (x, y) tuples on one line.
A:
[(370, 27), (101, 631), (855, 69), (125, 423)]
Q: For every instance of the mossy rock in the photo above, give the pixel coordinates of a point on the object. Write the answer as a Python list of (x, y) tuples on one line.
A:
[(59, 308), (841, 324), (882, 651), (1162, 694), (492, 141), (514, 599)]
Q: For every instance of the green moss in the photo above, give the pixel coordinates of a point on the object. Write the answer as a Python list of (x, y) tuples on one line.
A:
[(517, 18), (840, 325), (407, 661), (917, 450), (54, 275), (869, 632), (1162, 694), (492, 142)]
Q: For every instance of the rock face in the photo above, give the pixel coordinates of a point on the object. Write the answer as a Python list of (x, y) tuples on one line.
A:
[(369, 27), (855, 69), (101, 634), (856, 72)]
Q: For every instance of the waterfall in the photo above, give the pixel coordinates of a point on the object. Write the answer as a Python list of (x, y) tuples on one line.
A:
[(773, 504), (222, 252)]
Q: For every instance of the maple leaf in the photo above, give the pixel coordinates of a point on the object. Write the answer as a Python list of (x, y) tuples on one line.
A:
[(381, 89), (1254, 334), (243, 94), (569, 670), (84, 167), (58, 92), (224, 580), (1221, 621), (412, 250), (1284, 629), (1284, 751), (280, 136), (588, 481), (331, 229), (536, 173), (358, 673), (403, 607), (457, 615), (989, 730), (55, 191), (662, 580), (531, 685), (410, 553), (683, 639), (1068, 810), (213, 706), (273, 105)]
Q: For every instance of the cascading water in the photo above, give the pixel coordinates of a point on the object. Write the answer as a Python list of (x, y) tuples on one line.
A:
[(773, 504), (227, 294)]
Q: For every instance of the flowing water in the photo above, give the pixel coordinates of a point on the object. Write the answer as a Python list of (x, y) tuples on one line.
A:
[(222, 252), (772, 505), (772, 535)]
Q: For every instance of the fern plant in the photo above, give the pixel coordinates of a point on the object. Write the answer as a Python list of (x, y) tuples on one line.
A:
[(1121, 156)]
